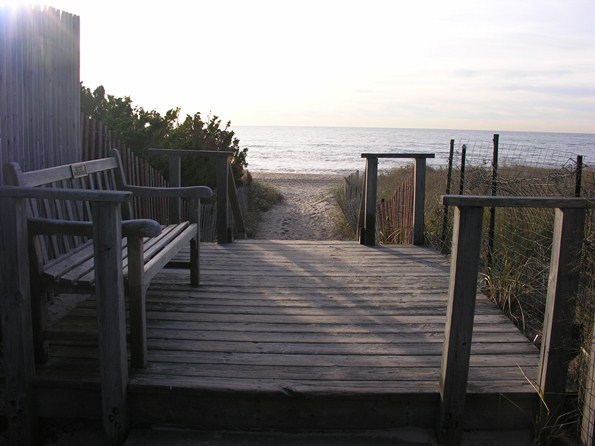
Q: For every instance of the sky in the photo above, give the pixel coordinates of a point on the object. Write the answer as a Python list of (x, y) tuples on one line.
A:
[(499, 65)]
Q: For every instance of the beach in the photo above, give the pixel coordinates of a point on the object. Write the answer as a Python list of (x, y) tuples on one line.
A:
[(307, 210)]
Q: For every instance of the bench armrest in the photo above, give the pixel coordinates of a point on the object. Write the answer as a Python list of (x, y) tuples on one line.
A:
[(130, 228), (171, 192)]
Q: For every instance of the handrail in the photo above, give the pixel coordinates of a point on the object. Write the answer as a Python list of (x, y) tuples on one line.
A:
[(367, 214), (557, 328), (225, 185)]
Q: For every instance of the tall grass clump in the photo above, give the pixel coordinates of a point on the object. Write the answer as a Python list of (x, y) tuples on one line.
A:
[(262, 197)]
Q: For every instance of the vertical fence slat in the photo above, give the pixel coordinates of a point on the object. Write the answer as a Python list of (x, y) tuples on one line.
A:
[(39, 96)]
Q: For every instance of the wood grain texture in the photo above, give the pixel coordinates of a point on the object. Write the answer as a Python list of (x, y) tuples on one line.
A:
[(109, 289), (299, 332), (460, 316), (419, 200), (556, 348), (516, 202)]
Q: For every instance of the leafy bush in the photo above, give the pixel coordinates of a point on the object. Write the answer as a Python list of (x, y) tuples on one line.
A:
[(140, 129)]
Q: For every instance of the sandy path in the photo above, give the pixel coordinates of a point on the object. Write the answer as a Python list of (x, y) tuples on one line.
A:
[(305, 213)]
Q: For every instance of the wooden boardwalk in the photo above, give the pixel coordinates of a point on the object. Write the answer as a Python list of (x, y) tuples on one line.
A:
[(300, 335)]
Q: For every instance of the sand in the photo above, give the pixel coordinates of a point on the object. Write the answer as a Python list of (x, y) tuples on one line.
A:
[(307, 210)]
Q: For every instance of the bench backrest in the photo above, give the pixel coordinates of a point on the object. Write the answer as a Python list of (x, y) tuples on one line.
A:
[(101, 174)]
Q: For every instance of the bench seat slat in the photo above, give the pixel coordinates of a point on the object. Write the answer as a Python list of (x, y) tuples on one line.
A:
[(153, 245), (54, 268), (158, 262), (86, 274), (77, 266)]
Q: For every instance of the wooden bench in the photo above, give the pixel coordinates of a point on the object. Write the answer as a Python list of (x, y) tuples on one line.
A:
[(62, 252)]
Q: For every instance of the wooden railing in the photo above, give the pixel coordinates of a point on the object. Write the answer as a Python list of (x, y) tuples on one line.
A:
[(563, 284), (367, 214), (227, 196)]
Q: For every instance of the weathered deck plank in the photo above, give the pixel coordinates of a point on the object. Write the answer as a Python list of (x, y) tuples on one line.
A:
[(284, 323)]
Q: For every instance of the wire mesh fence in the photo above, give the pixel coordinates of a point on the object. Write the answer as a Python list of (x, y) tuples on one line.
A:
[(517, 243), (515, 258)]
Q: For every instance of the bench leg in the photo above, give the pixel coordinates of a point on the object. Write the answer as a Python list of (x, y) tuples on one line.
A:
[(39, 318), (137, 291), (194, 269), (194, 217), (39, 309)]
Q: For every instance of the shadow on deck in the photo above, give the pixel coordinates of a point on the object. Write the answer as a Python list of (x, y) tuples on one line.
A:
[(299, 335)]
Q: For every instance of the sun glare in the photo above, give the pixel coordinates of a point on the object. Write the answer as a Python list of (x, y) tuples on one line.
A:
[(15, 3)]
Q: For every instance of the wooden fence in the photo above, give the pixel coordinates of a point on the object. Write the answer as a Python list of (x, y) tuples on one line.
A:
[(39, 127), (97, 142), (39, 87), (395, 215)]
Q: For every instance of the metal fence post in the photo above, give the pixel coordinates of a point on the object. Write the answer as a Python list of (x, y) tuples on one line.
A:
[(448, 186), (492, 228)]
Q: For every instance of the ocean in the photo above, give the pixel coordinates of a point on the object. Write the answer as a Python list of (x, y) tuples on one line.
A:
[(337, 150)]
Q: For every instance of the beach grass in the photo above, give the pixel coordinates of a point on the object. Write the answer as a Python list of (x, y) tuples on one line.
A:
[(262, 198)]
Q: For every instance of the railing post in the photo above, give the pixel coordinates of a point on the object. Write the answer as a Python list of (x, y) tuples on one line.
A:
[(175, 180), (368, 231), (238, 218), (367, 214), (559, 312), (458, 331), (111, 322), (224, 233), (17, 336), (419, 200), (223, 179)]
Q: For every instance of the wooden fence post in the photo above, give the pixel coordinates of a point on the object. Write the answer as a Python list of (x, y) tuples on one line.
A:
[(368, 231), (17, 336), (238, 218), (224, 233), (419, 200), (559, 312), (111, 322), (175, 180), (367, 213), (462, 292)]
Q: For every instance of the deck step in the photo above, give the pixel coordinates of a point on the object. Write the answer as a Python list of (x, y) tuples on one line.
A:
[(166, 436)]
